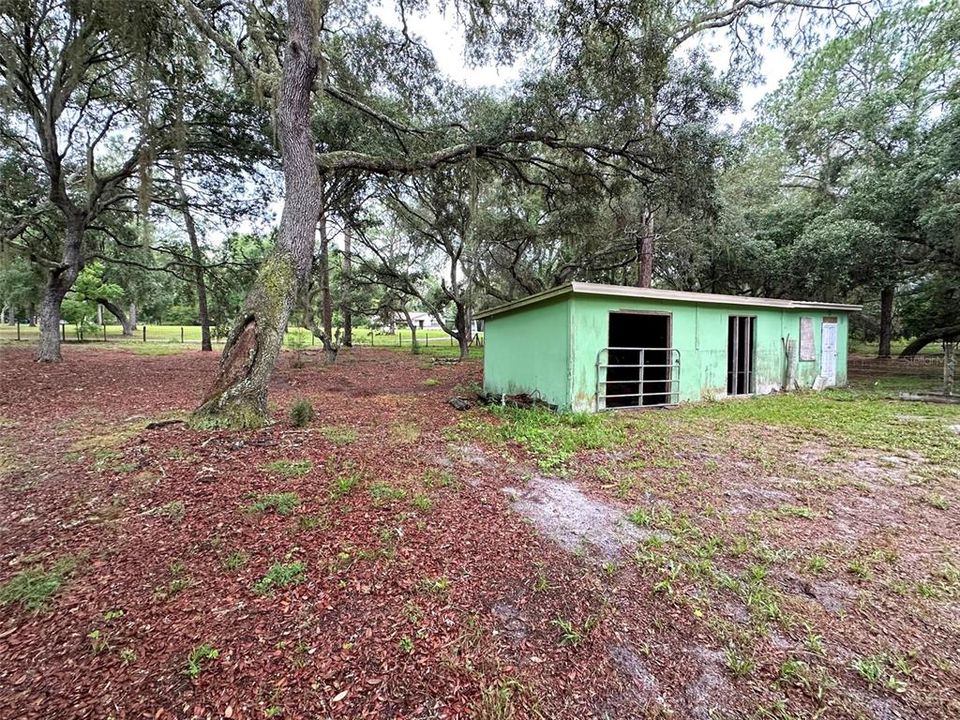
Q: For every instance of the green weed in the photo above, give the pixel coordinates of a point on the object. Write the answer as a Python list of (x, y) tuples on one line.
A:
[(34, 587), (280, 575), (289, 468), (281, 503), (200, 656)]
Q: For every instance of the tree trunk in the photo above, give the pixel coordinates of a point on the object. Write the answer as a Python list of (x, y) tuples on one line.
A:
[(949, 366), (645, 268), (196, 254), (58, 285), (886, 320), (118, 313), (463, 337), (133, 316), (326, 302), (345, 286), (239, 393), (12, 317)]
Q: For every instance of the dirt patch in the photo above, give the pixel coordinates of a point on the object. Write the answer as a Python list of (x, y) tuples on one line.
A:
[(575, 521)]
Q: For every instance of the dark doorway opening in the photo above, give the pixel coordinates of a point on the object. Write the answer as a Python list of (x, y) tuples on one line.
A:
[(639, 362), (741, 331)]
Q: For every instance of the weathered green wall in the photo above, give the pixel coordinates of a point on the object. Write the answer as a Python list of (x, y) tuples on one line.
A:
[(699, 332), (552, 346), (529, 349)]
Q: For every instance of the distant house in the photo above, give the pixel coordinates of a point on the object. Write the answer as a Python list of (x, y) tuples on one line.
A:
[(421, 321), (587, 347)]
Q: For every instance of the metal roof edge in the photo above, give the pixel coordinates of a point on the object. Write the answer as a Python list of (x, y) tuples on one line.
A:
[(582, 288), (528, 300)]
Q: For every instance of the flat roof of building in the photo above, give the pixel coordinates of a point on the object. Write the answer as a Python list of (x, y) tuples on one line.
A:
[(582, 288)]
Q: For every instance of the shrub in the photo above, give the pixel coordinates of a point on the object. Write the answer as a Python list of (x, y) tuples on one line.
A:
[(301, 413)]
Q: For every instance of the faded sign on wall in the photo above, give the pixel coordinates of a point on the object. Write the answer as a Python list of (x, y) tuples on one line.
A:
[(808, 350)]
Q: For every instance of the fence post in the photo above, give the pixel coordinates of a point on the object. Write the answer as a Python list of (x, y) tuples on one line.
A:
[(144, 333), (451, 341), (426, 339), (400, 338), (63, 332), (18, 329), (104, 332), (181, 333)]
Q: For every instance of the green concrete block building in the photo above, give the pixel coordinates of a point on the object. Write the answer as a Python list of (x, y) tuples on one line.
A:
[(589, 347)]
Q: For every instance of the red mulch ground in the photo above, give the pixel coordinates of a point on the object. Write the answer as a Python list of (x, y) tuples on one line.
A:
[(329, 647), (408, 610)]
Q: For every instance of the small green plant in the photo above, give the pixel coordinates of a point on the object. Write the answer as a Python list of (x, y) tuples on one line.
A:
[(128, 656), (234, 561), (345, 482), (798, 511), (339, 435), (439, 478), (496, 701), (422, 502), (817, 564), (383, 493), (640, 517), (431, 382), (179, 581), (281, 503), (569, 635), (313, 522), (859, 568), (198, 657), (739, 664), (406, 645), (99, 641), (289, 468), (938, 501), (273, 711), (113, 615), (301, 413), (870, 668), (280, 575), (405, 432), (34, 587), (437, 586), (174, 511)]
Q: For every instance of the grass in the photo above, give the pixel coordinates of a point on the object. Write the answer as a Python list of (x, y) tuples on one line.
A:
[(174, 511), (34, 588), (289, 468), (200, 656), (346, 480), (281, 503), (552, 438), (339, 435), (383, 493), (862, 419), (234, 561), (280, 575)]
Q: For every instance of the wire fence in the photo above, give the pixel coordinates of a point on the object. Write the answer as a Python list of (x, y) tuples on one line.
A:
[(191, 334)]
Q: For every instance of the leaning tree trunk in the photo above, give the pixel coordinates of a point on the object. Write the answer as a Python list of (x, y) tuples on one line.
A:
[(886, 320), (61, 280), (239, 393), (118, 313), (133, 316)]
